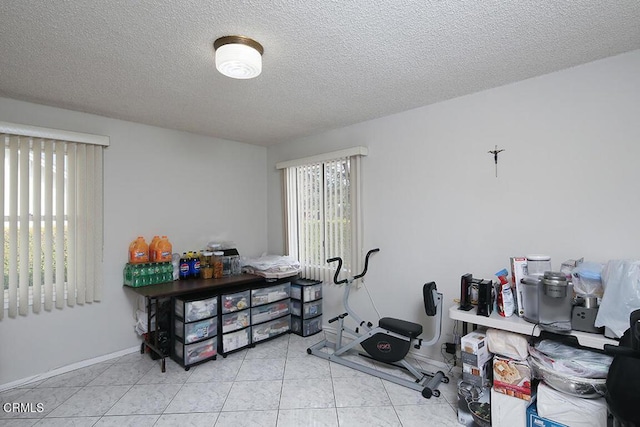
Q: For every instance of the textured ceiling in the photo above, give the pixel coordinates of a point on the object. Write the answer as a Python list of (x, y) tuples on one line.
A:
[(326, 64)]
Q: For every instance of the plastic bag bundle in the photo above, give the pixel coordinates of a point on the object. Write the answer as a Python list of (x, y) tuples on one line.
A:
[(570, 360), (587, 279), (621, 282), (271, 263)]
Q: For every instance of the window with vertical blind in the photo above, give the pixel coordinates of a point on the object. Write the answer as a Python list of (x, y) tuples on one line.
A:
[(323, 211), (52, 204)]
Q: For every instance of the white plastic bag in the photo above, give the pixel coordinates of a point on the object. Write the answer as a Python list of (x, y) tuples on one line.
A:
[(621, 283), (571, 361), (587, 279), (508, 344)]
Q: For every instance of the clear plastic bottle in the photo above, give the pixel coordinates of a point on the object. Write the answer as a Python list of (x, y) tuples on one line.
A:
[(235, 265), (217, 264)]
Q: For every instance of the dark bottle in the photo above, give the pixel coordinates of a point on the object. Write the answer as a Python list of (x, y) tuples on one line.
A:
[(194, 265), (184, 266)]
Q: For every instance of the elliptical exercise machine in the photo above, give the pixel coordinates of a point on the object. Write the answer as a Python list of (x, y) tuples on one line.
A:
[(389, 342)]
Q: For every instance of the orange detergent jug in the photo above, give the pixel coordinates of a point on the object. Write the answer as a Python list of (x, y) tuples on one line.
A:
[(138, 251), (152, 248), (163, 250)]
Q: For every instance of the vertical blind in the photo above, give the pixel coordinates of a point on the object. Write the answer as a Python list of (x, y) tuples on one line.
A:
[(323, 214), (52, 204)]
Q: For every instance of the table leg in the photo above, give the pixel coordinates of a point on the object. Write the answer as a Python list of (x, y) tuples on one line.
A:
[(152, 343)]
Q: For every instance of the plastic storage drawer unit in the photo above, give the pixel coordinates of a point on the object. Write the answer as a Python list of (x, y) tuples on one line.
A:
[(234, 302), (268, 312), (196, 352), (234, 321), (271, 329), (306, 290), (196, 331), (306, 327), (236, 340), (195, 309), (306, 310), (270, 294)]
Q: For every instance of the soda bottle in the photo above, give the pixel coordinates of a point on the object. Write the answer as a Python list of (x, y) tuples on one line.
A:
[(127, 275), (184, 267), (194, 265)]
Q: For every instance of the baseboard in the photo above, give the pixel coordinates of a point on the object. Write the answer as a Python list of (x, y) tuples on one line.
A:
[(68, 368)]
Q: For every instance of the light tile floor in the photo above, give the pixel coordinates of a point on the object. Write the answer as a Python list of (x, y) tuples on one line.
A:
[(275, 383)]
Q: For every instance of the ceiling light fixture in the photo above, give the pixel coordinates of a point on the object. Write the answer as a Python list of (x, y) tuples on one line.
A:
[(238, 57)]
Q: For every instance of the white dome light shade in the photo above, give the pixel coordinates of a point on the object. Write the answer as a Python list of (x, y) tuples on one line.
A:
[(238, 57)]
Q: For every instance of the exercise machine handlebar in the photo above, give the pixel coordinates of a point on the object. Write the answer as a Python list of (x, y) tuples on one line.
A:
[(364, 271)]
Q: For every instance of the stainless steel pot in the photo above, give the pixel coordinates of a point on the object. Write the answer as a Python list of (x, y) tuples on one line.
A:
[(555, 284)]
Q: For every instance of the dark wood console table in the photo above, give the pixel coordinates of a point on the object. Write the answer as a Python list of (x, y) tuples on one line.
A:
[(153, 293)]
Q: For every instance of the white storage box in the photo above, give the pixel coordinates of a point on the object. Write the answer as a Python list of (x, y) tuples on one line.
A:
[(475, 343), (571, 410), (508, 411), (518, 269)]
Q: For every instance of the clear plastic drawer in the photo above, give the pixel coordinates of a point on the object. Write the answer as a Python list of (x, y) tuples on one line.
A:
[(196, 331), (196, 352), (236, 340), (268, 312), (306, 290), (307, 309), (234, 321), (270, 294), (306, 327), (195, 309), (234, 302), (271, 329)]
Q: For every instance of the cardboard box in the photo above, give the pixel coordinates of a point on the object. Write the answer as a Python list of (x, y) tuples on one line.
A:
[(507, 411), (512, 377), (477, 375), (518, 271), (465, 397), (475, 343), (535, 420), (474, 359), (571, 410)]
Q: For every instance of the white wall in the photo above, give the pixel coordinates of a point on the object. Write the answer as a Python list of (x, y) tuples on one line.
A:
[(191, 188), (567, 183)]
